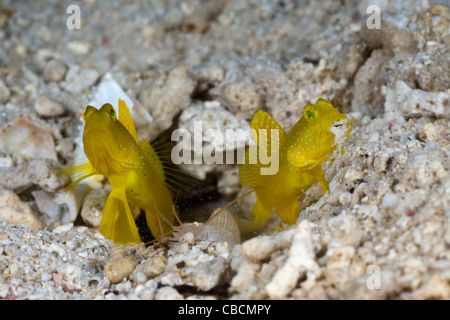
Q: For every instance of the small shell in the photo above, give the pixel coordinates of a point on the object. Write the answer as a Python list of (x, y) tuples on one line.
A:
[(220, 227)]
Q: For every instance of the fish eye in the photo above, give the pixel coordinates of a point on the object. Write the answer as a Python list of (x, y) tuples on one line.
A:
[(309, 112), (108, 109)]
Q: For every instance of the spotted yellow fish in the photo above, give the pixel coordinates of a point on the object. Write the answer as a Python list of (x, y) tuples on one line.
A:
[(133, 169), (308, 144)]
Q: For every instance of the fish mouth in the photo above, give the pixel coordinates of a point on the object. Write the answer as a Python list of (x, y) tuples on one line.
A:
[(348, 125), (343, 121), (342, 127), (334, 137), (339, 132)]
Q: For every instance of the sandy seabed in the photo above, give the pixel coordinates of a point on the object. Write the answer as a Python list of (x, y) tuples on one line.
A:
[(381, 232)]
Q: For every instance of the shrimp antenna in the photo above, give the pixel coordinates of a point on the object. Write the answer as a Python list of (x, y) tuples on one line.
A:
[(175, 212), (234, 201), (155, 240)]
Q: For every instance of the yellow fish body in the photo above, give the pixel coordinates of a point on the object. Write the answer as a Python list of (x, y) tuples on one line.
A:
[(133, 169), (301, 152)]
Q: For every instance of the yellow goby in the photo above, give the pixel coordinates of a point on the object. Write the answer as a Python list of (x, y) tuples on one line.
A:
[(308, 144), (133, 169)]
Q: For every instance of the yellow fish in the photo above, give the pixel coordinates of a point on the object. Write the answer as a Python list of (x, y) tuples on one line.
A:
[(309, 143), (133, 169)]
